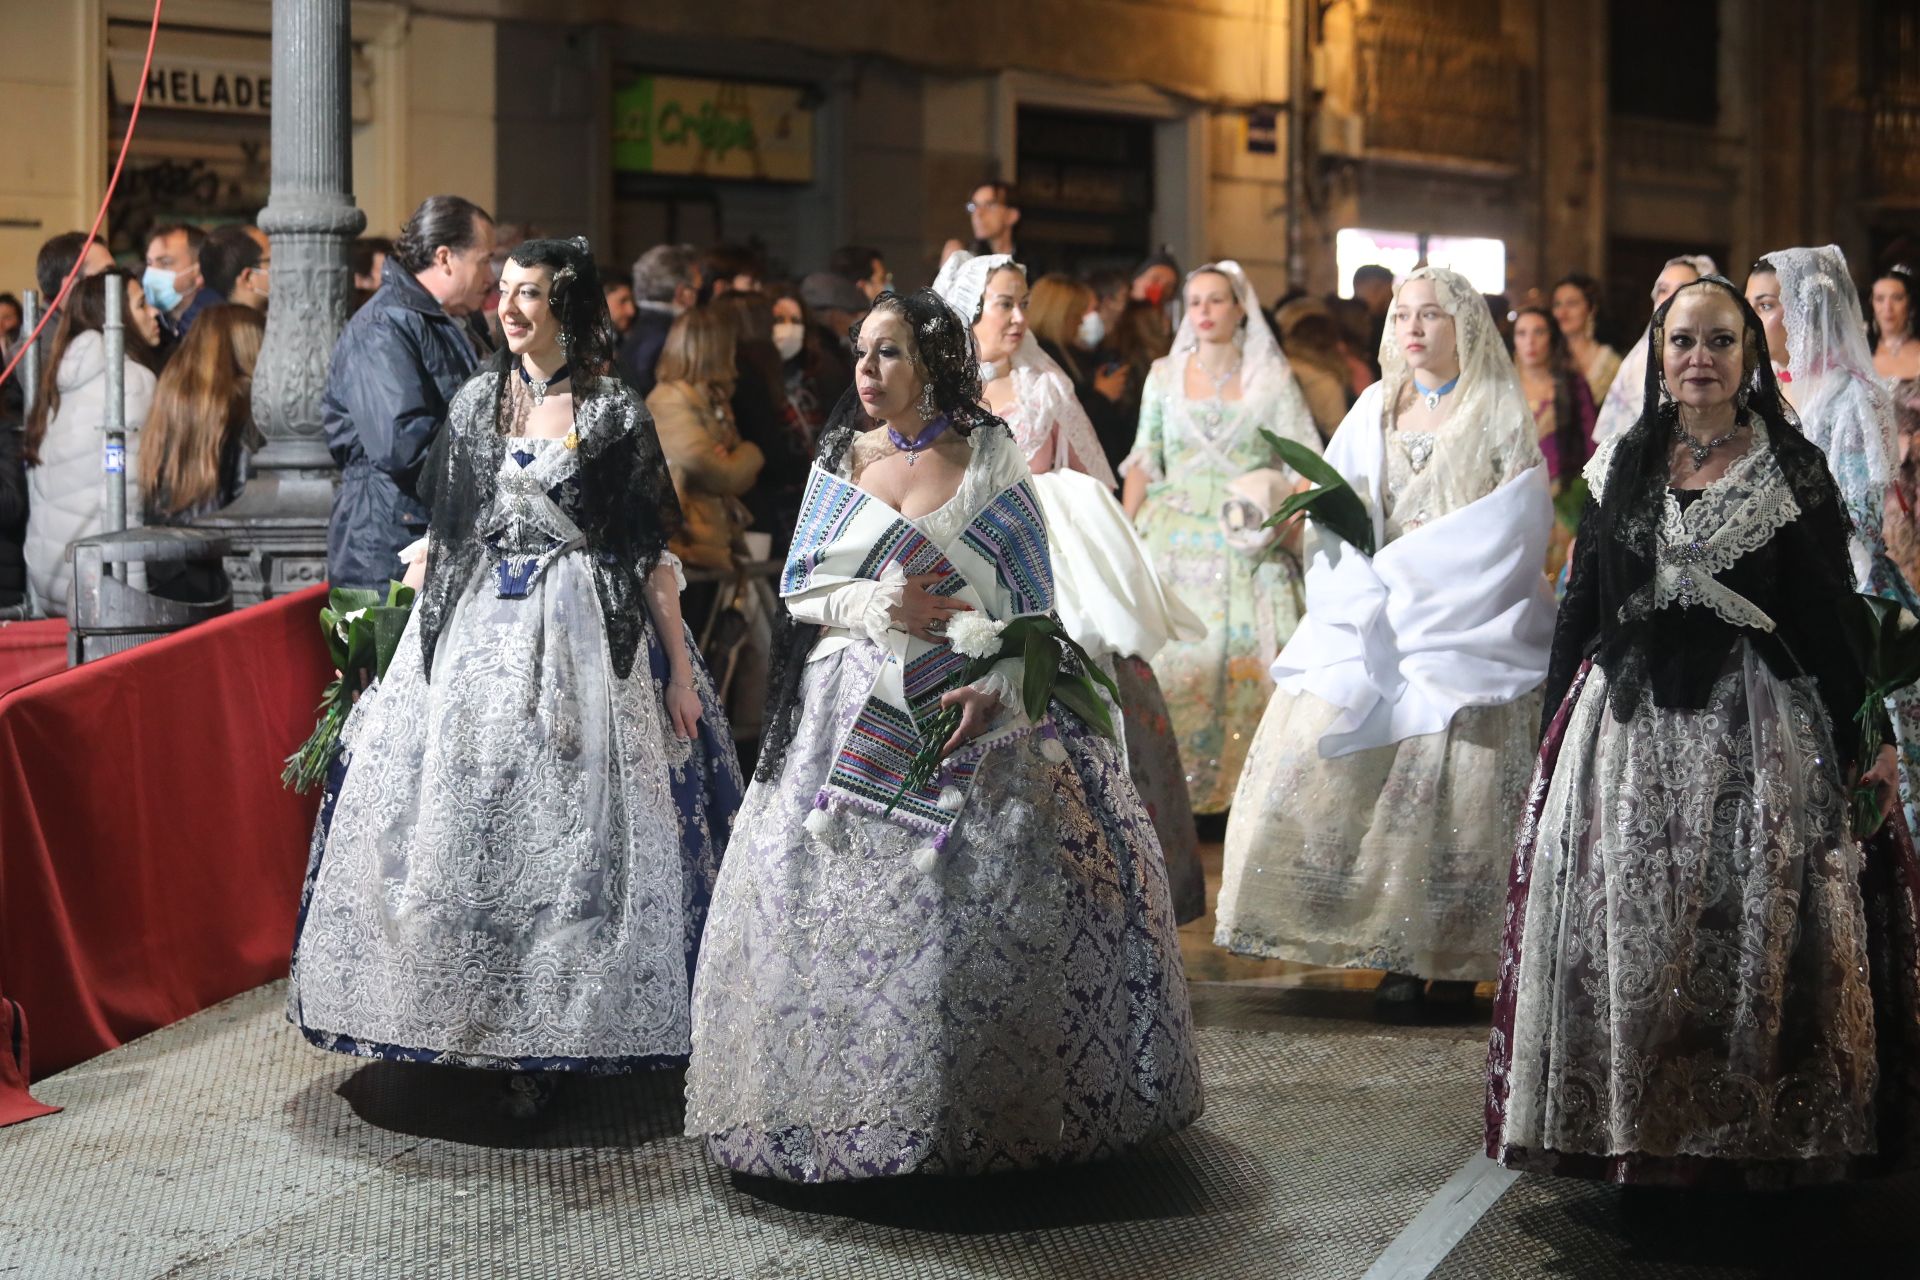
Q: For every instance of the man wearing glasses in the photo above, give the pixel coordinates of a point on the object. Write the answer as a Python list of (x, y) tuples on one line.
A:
[(995, 213)]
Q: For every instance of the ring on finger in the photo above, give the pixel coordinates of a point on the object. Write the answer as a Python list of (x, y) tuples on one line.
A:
[(937, 627)]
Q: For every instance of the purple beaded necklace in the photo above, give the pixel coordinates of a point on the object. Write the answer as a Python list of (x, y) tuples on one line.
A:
[(913, 446)]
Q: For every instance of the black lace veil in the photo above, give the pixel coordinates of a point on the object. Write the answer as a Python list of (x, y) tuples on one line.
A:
[(946, 356), (1627, 522)]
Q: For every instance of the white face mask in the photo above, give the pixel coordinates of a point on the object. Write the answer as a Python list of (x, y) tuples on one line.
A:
[(1092, 330), (788, 336)]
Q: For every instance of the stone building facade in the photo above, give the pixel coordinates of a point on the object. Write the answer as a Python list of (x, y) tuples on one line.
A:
[(1596, 136)]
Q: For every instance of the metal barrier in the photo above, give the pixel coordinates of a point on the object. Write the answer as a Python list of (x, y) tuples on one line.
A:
[(107, 615)]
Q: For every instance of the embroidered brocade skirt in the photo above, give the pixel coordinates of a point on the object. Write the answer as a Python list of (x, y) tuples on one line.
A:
[(1705, 979), (514, 869), (1021, 1004), (1389, 858)]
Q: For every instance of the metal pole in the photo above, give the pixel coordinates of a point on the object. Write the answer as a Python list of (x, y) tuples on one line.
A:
[(30, 362), (115, 333)]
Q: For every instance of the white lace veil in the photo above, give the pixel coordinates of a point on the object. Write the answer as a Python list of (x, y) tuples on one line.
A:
[(1264, 370), (1622, 406), (1842, 406), (1045, 392), (1491, 406)]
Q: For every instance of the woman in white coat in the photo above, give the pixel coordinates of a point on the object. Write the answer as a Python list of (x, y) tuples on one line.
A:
[(66, 475)]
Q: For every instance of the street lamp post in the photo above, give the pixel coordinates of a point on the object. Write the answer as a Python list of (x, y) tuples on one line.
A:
[(278, 526)]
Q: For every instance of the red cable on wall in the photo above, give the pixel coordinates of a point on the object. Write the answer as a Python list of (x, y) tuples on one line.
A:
[(93, 233)]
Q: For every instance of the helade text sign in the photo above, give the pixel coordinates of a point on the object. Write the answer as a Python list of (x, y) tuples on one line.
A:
[(713, 129), (196, 84)]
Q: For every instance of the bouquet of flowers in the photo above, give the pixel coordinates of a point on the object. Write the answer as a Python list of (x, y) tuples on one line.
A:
[(362, 632), (1331, 503), (1886, 639), (1042, 645)]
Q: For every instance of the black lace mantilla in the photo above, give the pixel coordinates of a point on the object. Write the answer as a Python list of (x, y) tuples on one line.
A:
[(628, 507), (1800, 576)]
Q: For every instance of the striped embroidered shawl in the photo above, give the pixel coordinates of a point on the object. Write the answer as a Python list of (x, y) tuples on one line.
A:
[(996, 561)]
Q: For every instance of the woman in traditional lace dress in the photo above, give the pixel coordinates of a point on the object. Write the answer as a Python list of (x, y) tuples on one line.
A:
[(1896, 361), (1375, 816), (978, 973), (1817, 343), (1621, 407), (515, 870), (1705, 978), (1200, 452), (1105, 589)]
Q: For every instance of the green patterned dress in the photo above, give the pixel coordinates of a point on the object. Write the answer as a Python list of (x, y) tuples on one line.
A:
[(1217, 687)]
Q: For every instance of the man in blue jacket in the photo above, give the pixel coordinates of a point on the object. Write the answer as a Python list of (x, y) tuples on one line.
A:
[(395, 370)]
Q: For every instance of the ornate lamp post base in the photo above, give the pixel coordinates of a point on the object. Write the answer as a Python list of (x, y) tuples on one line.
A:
[(278, 534)]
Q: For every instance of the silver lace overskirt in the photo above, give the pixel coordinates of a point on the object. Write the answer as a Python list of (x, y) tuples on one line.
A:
[(1023, 1003)]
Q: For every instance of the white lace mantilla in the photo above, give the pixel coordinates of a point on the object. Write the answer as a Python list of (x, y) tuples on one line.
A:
[(1732, 518)]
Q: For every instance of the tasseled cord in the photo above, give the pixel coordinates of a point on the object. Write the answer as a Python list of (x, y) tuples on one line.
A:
[(1051, 748), (927, 857), (820, 818)]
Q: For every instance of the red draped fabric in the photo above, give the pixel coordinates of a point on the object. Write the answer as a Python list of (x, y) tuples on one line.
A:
[(30, 651), (150, 861)]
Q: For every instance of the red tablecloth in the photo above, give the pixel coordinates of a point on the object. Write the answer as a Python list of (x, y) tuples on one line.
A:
[(30, 651), (150, 861)]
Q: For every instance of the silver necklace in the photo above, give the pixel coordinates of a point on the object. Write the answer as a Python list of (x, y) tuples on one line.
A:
[(1703, 449), (537, 387), (1219, 381)]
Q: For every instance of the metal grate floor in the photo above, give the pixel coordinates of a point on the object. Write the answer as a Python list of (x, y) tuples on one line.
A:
[(225, 1147)]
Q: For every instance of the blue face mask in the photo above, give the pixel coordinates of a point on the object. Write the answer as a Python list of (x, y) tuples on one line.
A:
[(161, 294)]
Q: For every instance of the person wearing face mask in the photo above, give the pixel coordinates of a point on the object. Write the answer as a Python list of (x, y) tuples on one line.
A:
[(1067, 320), (1106, 592), (980, 972), (172, 279), (813, 361), (393, 373), (1621, 407), (1705, 979), (1375, 817), (1200, 480), (512, 870)]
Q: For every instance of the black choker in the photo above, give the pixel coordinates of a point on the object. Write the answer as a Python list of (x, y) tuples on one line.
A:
[(539, 386)]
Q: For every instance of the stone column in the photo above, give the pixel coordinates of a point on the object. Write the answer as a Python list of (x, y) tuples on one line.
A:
[(279, 524)]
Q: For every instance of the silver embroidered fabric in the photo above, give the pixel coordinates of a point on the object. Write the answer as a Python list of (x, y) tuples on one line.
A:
[(1693, 970), (503, 878), (1023, 1003), (1394, 857)]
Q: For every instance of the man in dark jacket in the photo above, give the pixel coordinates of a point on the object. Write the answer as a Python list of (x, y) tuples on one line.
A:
[(666, 281), (395, 370)]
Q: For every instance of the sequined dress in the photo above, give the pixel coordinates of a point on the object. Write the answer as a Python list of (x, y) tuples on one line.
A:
[(515, 870), (1216, 688)]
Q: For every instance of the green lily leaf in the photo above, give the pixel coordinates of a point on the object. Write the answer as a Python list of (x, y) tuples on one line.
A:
[(1077, 694), (1333, 505), (1042, 661)]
